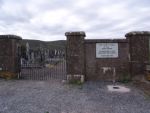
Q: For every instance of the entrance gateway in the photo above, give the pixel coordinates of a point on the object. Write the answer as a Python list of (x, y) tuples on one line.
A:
[(54, 69), (23, 62), (43, 64), (84, 59), (107, 59)]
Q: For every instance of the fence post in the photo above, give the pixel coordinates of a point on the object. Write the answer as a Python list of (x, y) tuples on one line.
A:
[(75, 56)]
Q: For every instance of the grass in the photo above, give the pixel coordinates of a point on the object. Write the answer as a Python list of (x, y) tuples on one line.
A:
[(125, 78), (76, 82)]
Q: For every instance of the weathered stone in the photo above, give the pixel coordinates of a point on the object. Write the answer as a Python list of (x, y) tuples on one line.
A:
[(133, 55), (76, 78), (139, 51), (137, 33), (75, 54), (10, 55), (102, 68)]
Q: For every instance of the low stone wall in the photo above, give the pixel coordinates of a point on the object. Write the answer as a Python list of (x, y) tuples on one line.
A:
[(103, 68), (130, 59)]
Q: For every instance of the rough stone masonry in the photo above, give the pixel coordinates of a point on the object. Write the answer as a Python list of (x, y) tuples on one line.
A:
[(9, 56), (92, 59), (128, 56)]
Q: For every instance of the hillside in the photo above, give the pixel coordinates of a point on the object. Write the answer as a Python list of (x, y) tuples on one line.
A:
[(35, 44)]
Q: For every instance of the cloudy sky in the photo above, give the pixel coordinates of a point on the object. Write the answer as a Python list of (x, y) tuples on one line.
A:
[(50, 19)]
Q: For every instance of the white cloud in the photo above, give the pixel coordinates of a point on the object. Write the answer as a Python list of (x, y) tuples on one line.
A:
[(50, 19)]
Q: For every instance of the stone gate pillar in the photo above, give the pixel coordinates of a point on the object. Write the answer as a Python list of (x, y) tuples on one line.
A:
[(139, 51), (75, 56), (9, 56)]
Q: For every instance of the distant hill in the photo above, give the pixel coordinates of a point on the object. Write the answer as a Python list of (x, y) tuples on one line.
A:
[(35, 44)]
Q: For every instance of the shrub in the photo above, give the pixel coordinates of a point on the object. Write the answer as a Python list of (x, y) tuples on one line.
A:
[(125, 78)]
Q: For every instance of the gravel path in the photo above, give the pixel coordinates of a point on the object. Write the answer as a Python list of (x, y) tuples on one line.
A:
[(24, 96)]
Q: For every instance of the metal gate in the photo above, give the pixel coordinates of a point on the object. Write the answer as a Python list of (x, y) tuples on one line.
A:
[(42, 63), (54, 69)]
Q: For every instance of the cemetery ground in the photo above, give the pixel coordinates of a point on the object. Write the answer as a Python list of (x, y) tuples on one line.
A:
[(53, 96)]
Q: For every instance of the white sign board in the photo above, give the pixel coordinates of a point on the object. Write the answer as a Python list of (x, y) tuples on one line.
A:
[(106, 50)]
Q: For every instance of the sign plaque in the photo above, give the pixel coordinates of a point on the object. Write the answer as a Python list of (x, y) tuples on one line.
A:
[(106, 50)]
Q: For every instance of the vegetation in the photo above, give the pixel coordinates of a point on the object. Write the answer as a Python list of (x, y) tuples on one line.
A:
[(37, 44), (125, 78), (23, 51), (76, 82), (7, 75)]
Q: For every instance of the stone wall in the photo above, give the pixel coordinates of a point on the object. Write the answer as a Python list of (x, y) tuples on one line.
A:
[(75, 55), (139, 51), (133, 55), (9, 54), (103, 68)]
